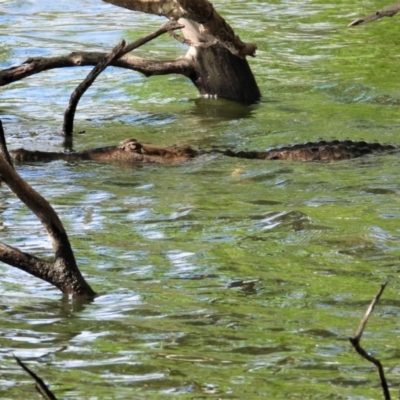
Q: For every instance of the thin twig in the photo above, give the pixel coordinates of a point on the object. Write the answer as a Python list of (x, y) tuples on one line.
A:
[(40, 386), (169, 26), (188, 42), (355, 341), (117, 52), (69, 114)]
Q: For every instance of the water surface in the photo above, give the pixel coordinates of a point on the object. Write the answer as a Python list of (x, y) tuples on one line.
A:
[(218, 278)]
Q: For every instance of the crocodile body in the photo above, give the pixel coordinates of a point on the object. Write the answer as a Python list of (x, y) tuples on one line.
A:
[(128, 151), (334, 150), (132, 151)]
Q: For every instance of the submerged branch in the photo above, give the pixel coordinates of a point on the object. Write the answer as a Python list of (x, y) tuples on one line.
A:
[(68, 125), (40, 386), (385, 12), (63, 272), (147, 67), (119, 50), (356, 339)]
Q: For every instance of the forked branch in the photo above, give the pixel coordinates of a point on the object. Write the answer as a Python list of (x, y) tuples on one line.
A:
[(40, 386), (119, 50), (36, 65), (356, 339), (215, 62), (63, 272), (200, 12)]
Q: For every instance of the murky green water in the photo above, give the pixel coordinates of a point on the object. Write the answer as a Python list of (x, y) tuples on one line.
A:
[(168, 248)]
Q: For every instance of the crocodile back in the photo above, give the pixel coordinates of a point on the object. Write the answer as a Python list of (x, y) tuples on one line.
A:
[(317, 151)]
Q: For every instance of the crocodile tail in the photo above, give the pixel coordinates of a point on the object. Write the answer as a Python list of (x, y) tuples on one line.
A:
[(316, 151), (23, 155)]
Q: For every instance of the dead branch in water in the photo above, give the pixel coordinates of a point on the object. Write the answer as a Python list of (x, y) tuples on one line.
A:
[(385, 12), (356, 339), (200, 12), (3, 146), (40, 386), (63, 272), (118, 51), (215, 61), (68, 125), (36, 65)]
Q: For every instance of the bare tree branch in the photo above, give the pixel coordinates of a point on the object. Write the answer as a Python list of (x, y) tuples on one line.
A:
[(201, 12), (385, 12), (3, 146), (355, 341), (40, 386), (68, 124), (218, 56), (170, 8), (63, 272), (26, 262), (36, 65), (215, 62), (168, 27), (114, 54)]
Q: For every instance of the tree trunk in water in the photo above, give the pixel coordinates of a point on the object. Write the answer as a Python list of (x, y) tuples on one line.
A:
[(216, 53), (215, 61), (214, 78)]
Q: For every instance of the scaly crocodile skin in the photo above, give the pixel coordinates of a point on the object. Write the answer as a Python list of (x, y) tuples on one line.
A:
[(316, 151), (130, 150)]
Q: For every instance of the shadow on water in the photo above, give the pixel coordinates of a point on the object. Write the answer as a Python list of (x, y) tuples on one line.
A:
[(212, 111)]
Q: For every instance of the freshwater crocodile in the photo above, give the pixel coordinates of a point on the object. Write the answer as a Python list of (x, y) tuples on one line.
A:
[(132, 151)]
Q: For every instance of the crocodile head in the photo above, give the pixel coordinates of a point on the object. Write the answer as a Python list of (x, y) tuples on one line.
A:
[(156, 154)]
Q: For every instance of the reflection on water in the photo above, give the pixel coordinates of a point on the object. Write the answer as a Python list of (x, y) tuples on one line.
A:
[(222, 278), (220, 110)]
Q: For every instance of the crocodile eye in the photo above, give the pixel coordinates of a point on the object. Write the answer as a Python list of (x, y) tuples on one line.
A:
[(135, 147), (121, 145), (128, 144)]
